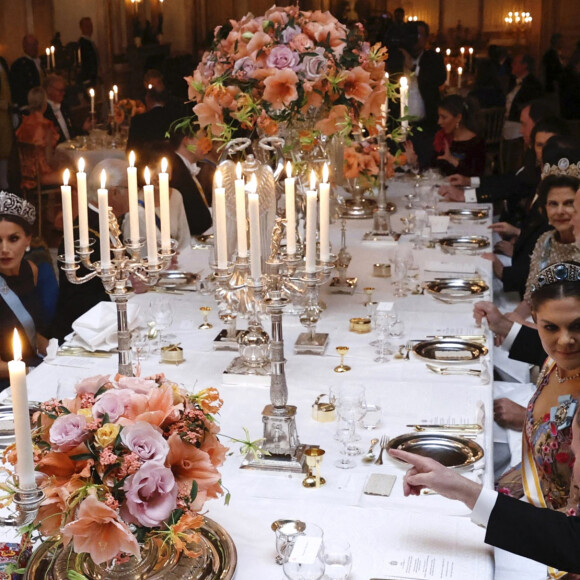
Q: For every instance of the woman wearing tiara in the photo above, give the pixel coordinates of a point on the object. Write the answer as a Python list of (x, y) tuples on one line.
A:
[(457, 147), (27, 292)]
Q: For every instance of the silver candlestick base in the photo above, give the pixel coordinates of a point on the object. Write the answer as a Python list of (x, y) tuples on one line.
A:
[(27, 502)]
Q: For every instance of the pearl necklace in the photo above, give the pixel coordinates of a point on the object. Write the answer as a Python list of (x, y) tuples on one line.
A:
[(565, 379)]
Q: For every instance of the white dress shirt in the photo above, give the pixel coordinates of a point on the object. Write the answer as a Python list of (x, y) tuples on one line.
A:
[(59, 117)]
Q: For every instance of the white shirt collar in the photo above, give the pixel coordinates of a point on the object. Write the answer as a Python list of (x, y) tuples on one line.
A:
[(192, 167)]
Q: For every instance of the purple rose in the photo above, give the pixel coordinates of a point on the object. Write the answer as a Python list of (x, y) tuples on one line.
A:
[(315, 66), (137, 384), (91, 385), (282, 57), (289, 33), (245, 66), (146, 441), (68, 431), (150, 495), (113, 403)]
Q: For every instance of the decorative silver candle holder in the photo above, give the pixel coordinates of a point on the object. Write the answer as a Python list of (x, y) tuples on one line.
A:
[(342, 284), (27, 502)]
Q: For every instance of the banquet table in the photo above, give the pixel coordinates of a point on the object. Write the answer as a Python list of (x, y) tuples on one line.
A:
[(91, 153), (391, 537)]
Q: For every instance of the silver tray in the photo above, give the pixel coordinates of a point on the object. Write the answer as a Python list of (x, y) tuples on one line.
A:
[(456, 288), (465, 214), (172, 278), (220, 562), (466, 244), (449, 351), (449, 450), (7, 436)]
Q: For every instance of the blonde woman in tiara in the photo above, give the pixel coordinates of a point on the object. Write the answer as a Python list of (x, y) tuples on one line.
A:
[(27, 293)]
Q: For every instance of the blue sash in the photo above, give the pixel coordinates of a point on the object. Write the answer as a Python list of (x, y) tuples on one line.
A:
[(14, 303)]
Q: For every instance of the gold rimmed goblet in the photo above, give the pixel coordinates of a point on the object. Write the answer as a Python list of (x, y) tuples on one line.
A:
[(341, 368), (205, 310), (313, 460), (369, 292)]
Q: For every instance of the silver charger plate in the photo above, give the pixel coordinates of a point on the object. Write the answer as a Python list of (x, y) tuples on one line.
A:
[(466, 214), (172, 278), (465, 244), (449, 450), (456, 288), (449, 351)]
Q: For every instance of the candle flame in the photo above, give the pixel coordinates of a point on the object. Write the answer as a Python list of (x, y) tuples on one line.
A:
[(52, 49), (462, 50), (288, 169), (17, 346), (312, 180), (404, 82), (65, 177), (164, 165), (219, 180), (132, 159), (448, 66), (253, 185), (459, 70), (437, 50), (115, 89), (149, 86), (81, 164), (48, 52), (325, 173), (471, 50), (103, 179), (448, 52), (111, 95), (92, 92), (238, 170), (147, 174)]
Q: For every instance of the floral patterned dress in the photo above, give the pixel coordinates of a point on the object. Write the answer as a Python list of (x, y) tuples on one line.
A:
[(550, 438)]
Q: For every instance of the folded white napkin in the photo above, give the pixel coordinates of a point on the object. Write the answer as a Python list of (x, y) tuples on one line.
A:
[(97, 328), (439, 223), (449, 266)]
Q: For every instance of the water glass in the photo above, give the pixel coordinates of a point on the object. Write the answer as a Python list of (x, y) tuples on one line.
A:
[(337, 559), (372, 417), (301, 563), (399, 273)]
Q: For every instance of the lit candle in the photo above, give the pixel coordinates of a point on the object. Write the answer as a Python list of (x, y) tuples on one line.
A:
[(437, 50), (103, 196), (324, 188), (290, 191), (92, 95), (311, 225), (241, 212), (133, 199), (116, 93), (462, 52), (219, 205), (48, 59), (112, 102), (164, 207), (150, 227), (470, 62), (19, 392), (385, 106), (67, 219), (448, 52), (404, 96), (448, 81), (52, 59), (459, 73), (82, 206), (255, 243)]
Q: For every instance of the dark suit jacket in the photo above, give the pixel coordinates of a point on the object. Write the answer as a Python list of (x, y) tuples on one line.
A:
[(543, 535), (76, 299), (89, 61), (527, 347), (552, 69), (531, 89), (198, 215), (49, 114), (147, 134), (23, 76)]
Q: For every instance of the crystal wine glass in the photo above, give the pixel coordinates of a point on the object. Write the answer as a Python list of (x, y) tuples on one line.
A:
[(301, 564), (337, 559), (162, 312)]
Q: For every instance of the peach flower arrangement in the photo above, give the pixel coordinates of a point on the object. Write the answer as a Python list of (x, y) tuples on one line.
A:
[(287, 67), (127, 460), (125, 109)]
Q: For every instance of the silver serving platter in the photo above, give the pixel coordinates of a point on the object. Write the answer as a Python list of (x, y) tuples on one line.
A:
[(449, 351), (50, 561), (449, 450), (172, 278), (7, 436), (465, 244), (465, 214), (456, 288)]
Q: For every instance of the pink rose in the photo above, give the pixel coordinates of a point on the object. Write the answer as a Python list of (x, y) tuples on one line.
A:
[(91, 385), (244, 67), (282, 57), (151, 495), (136, 384), (112, 403), (146, 441), (289, 33), (315, 66), (68, 431)]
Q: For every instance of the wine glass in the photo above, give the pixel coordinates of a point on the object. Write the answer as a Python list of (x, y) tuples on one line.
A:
[(383, 348), (337, 559), (162, 312), (303, 564), (399, 273)]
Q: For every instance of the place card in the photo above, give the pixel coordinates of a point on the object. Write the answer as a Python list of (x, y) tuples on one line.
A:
[(305, 550)]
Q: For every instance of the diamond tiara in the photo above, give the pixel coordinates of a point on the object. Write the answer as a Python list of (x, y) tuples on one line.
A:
[(11, 204), (561, 272), (563, 167)]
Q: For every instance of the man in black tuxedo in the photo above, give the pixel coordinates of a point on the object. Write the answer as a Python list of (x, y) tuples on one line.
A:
[(544, 535), (25, 72), (89, 56), (185, 173)]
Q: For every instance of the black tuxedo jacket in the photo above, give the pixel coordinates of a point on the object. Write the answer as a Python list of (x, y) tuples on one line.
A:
[(49, 114), (198, 215), (76, 299), (527, 347), (23, 76), (531, 89), (89, 61), (147, 134), (540, 534)]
